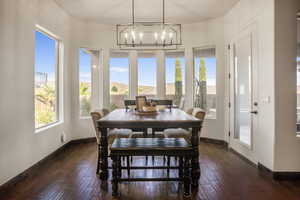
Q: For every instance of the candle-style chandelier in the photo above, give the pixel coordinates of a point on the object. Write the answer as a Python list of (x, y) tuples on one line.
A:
[(149, 35)]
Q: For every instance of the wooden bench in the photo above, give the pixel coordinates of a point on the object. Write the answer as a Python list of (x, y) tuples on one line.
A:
[(152, 147)]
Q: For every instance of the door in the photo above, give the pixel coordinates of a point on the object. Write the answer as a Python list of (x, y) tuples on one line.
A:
[(243, 96)]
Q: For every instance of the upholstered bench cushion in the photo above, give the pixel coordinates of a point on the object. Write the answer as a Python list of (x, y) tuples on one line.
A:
[(178, 133), (118, 133)]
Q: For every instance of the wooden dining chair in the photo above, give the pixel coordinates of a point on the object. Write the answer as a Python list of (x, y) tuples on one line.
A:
[(112, 133), (183, 133)]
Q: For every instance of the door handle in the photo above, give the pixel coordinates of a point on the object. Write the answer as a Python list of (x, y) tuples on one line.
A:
[(254, 112)]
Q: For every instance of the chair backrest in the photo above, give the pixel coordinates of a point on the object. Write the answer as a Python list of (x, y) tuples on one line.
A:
[(189, 111), (104, 112), (96, 115), (163, 102), (129, 103), (199, 113)]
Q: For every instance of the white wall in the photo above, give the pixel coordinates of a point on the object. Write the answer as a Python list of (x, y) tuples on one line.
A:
[(20, 146), (92, 35), (287, 145), (258, 16)]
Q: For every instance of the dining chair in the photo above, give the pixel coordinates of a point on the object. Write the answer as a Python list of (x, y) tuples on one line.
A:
[(112, 133), (185, 133)]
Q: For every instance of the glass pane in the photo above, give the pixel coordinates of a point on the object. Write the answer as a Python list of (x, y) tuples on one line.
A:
[(45, 80), (175, 74), (119, 81), (85, 82), (205, 66), (243, 94), (147, 76)]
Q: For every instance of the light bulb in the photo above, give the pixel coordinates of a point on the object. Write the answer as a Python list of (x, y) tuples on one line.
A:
[(133, 35), (162, 38), (141, 35), (126, 35), (171, 35), (155, 35), (164, 32)]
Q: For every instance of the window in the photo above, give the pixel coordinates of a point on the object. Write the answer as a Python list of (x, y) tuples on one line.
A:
[(46, 79), (205, 80), (175, 74), (147, 74), (119, 79), (85, 81), (298, 74)]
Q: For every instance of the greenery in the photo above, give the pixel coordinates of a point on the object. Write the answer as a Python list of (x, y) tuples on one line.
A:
[(178, 82), (114, 89), (200, 88), (45, 105), (85, 99)]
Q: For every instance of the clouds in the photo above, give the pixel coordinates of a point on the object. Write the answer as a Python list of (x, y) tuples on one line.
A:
[(119, 69)]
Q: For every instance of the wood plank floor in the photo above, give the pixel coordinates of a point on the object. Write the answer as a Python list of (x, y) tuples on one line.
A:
[(71, 175)]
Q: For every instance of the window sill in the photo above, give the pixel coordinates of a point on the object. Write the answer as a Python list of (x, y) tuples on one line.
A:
[(42, 129)]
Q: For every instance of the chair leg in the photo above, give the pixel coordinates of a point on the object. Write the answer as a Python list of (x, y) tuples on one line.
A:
[(98, 160), (168, 165), (180, 172), (186, 177), (128, 166), (119, 167), (115, 175)]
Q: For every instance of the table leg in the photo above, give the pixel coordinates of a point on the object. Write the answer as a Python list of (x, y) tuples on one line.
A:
[(103, 154), (195, 159), (186, 177)]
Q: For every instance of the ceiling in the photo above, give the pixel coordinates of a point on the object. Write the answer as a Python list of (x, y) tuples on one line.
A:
[(119, 11)]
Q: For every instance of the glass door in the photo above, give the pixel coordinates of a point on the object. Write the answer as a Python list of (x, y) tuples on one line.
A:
[(243, 92)]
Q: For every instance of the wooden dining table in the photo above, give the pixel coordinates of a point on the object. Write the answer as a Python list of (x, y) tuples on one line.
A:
[(174, 118)]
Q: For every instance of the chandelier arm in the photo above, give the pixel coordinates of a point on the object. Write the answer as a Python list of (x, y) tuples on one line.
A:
[(163, 12), (132, 3)]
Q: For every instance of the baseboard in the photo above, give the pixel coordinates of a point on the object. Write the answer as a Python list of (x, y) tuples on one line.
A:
[(32, 170), (280, 176), (214, 141), (242, 157), (83, 140)]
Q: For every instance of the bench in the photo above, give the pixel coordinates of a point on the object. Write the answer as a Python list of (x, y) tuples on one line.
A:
[(176, 147)]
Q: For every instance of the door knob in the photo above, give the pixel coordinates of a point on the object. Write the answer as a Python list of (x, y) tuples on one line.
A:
[(254, 112)]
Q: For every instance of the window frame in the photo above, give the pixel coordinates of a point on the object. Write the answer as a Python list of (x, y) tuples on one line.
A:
[(153, 55), (117, 51), (183, 69), (92, 87), (193, 76), (58, 62)]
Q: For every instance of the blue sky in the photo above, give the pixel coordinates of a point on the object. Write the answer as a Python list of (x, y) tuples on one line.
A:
[(119, 67), (45, 54), (85, 64), (210, 64)]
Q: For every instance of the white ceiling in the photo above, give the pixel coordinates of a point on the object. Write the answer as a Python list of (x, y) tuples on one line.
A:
[(119, 11)]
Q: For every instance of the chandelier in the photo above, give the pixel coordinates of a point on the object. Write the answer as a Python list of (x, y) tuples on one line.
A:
[(149, 35)]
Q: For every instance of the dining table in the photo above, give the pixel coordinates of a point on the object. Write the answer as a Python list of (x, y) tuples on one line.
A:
[(174, 118)]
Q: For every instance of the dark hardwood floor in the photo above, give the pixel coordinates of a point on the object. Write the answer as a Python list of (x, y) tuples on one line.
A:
[(71, 175)]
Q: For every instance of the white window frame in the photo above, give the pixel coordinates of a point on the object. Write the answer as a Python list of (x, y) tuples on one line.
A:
[(193, 76), (58, 64)]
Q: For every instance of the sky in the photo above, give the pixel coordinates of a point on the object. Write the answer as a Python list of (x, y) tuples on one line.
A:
[(147, 70), (119, 67), (45, 54)]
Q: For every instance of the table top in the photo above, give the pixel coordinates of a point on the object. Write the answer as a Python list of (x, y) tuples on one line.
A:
[(150, 144), (175, 118)]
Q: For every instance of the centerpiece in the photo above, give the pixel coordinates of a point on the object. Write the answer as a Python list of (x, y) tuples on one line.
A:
[(145, 108)]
